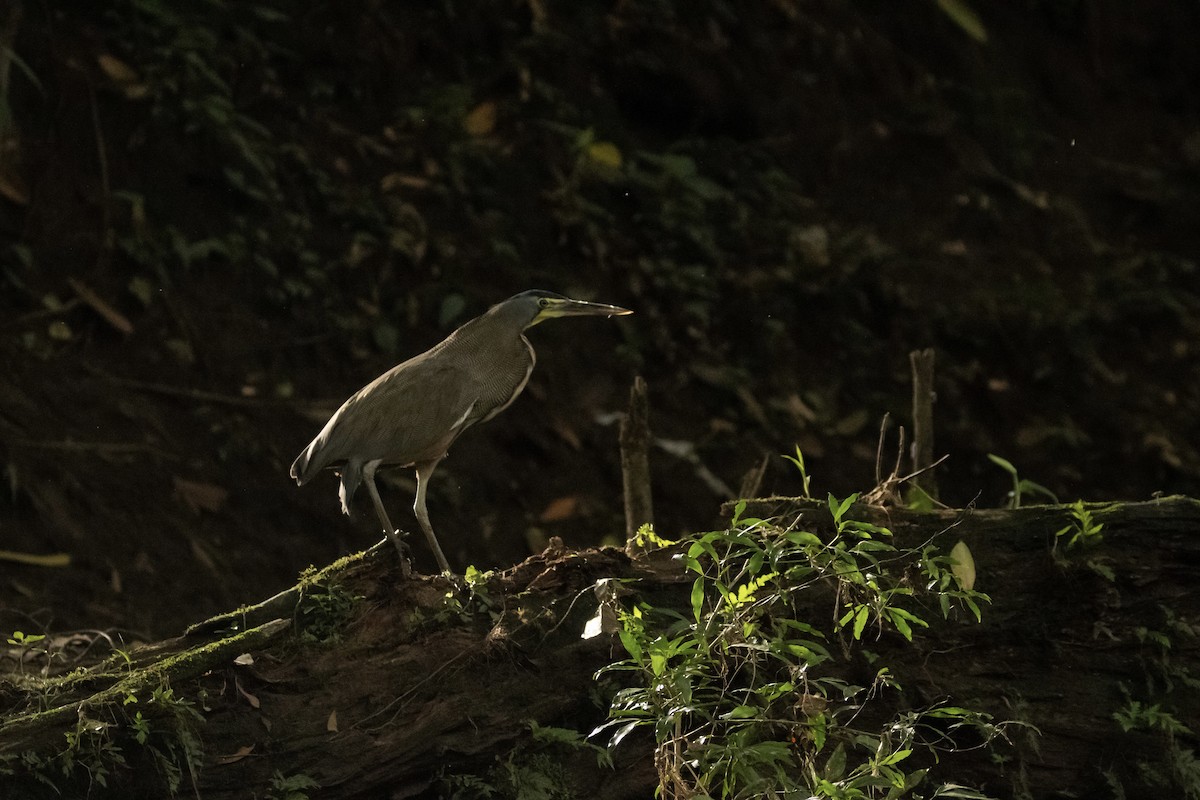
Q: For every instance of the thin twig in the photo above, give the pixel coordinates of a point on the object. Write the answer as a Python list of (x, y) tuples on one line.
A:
[(196, 394)]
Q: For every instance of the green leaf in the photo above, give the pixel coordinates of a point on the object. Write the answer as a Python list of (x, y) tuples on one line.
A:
[(963, 567), (697, 598), (839, 508), (957, 790), (818, 727), (964, 17), (631, 645), (604, 154), (917, 499), (948, 712), (1026, 486), (658, 663), (835, 767), (1003, 463), (895, 758), (860, 621), (971, 604), (910, 617), (741, 712), (803, 539), (901, 625)]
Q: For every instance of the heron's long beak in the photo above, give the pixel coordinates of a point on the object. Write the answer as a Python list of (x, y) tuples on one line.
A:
[(579, 308)]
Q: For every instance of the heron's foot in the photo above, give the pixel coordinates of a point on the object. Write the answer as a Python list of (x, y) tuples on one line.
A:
[(397, 538)]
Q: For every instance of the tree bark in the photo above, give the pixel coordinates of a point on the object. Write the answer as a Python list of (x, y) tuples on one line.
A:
[(635, 464), (923, 398), (404, 688)]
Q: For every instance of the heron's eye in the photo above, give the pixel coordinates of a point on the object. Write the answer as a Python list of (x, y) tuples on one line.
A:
[(543, 302)]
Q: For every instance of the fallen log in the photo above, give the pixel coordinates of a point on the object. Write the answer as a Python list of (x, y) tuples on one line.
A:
[(357, 684)]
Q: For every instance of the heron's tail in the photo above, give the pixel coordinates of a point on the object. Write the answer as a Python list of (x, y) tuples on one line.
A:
[(303, 468), (351, 478)]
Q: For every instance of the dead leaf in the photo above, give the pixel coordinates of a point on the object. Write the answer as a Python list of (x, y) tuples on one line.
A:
[(201, 496), (110, 314), (1036, 198), (116, 69), (51, 504), (801, 411), (560, 509), (1165, 447), (605, 621), (123, 76), (753, 407), (59, 331), (812, 242), (481, 120), (811, 705), (395, 180), (251, 699), (244, 660), (13, 188), (852, 423), (331, 723), (567, 433), (202, 556), (234, 757)]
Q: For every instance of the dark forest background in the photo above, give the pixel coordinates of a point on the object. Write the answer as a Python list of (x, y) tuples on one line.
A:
[(219, 219)]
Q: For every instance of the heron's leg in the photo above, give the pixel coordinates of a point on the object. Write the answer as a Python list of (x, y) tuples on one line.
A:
[(424, 471), (388, 529)]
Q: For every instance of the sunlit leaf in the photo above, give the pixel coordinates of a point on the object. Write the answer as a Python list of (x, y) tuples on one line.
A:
[(741, 712), (860, 621), (604, 154), (896, 757), (964, 17), (963, 566), (36, 560), (658, 663)]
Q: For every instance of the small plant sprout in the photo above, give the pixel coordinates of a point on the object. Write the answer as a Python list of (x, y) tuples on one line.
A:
[(805, 478), (22, 639), (1083, 531), (646, 537), (1021, 487)]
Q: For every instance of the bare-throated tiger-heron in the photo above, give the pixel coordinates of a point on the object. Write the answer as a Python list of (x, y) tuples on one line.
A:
[(411, 414)]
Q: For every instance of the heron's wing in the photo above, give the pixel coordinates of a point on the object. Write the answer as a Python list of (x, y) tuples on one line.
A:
[(410, 414)]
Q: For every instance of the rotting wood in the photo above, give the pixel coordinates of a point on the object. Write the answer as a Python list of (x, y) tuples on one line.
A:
[(923, 397), (420, 691), (635, 463)]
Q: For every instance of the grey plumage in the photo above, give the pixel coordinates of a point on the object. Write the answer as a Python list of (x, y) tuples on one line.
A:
[(411, 414)]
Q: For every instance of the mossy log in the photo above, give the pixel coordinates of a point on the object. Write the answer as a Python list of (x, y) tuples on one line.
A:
[(371, 686)]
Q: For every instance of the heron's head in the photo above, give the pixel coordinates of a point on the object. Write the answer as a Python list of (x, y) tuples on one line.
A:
[(537, 306)]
